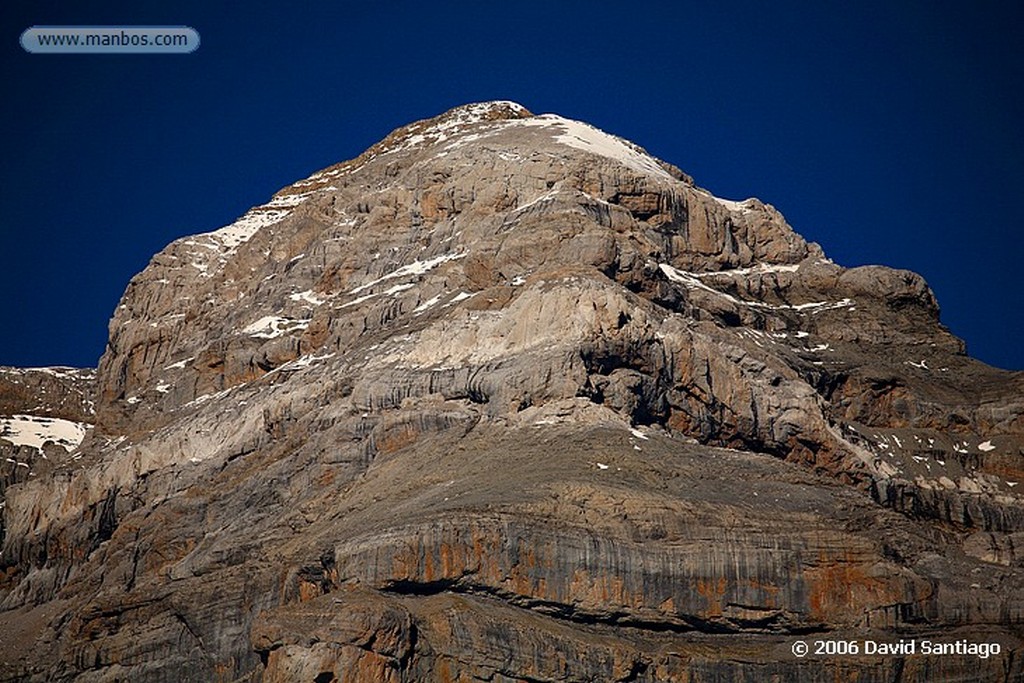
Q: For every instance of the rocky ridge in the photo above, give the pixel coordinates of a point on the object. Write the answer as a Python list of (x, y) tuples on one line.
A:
[(507, 398)]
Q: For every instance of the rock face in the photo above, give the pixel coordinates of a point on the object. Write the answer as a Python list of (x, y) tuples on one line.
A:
[(506, 398), (45, 413)]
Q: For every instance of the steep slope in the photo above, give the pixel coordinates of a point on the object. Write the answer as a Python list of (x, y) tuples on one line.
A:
[(507, 398)]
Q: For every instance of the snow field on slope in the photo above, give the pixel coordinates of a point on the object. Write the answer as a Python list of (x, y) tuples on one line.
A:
[(589, 139), (34, 431)]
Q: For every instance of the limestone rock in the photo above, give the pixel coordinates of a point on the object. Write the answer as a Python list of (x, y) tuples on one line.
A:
[(507, 398)]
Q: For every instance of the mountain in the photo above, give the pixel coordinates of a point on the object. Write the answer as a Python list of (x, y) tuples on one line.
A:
[(507, 398)]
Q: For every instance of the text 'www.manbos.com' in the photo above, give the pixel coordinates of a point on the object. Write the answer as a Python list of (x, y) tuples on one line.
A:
[(110, 39)]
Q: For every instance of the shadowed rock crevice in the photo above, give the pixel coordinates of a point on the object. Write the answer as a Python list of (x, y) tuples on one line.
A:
[(769, 624)]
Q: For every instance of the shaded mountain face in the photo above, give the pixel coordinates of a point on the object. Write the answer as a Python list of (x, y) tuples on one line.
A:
[(507, 398)]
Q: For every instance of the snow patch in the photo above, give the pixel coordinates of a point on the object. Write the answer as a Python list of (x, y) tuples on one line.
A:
[(303, 362), (451, 125), (357, 300), (271, 326), (427, 304), (590, 139), (243, 230), (739, 207), (461, 296), (287, 201), (226, 240), (58, 371), (692, 280), (818, 306), (414, 268), (395, 289), (986, 446), (34, 431), (637, 433), (205, 398), (760, 268), (550, 194), (308, 296)]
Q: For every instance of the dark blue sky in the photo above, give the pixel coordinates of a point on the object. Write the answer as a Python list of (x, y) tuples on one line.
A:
[(889, 132)]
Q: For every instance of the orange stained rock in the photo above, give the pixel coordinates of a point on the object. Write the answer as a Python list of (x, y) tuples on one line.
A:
[(397, 438), (581, 587), (370, 667), (680, 421), (428, 565), (452, 559), (712, 591), (486, 553), (308, 591), (405, 562), (841, 589), (520, 581), (546, 591), (326, 477), (317, 333), (601, 591)]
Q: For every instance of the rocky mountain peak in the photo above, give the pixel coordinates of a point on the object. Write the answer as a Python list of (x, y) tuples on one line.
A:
[(475, 188), (475, 112), (508, 373)]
